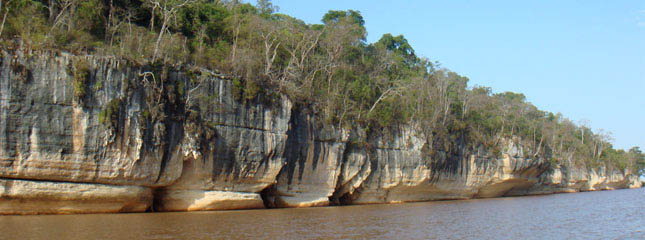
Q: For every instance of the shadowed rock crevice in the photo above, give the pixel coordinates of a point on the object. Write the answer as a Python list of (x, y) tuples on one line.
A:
[(268, 196)]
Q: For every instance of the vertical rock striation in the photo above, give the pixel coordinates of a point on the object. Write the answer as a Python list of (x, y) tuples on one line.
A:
[(570, 179), (48, 135), (314, 158), (231, 156), (402, 172), (87, 134)]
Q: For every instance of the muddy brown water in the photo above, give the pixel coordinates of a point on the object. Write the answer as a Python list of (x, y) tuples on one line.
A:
[(616, 214)]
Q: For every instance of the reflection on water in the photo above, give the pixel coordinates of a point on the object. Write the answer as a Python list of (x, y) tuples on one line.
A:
[(612, 214)]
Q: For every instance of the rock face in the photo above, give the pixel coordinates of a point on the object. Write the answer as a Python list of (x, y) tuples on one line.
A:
[(243, 155), (568, 180), (403, 173), (86, 134), (38, 197), (47, 135), (314, 160)]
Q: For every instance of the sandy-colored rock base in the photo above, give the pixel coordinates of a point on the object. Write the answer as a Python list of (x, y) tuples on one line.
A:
[(301, 201), (41, 197), (199, 200)]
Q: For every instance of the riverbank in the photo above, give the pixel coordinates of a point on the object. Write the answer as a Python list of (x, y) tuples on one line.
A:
[(596, 215)]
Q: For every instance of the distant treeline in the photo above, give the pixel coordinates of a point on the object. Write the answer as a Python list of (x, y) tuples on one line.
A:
[(328, 67)]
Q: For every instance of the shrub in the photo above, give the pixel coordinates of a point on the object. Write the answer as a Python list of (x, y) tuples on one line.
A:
[(238, 89), (110, 115), (81, 73)]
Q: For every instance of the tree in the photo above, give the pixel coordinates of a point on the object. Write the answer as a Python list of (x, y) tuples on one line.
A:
[(168, 10), (60, 11), (301, 69), (266, 7), (6, 9), (583, 123), (339, 36), (119, 13), (332, 17), (236, 21), (400, 46), (601, 141), (271, 41), (346, 18), (637, 159)]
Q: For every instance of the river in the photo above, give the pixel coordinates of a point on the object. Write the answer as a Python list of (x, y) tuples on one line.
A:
[(616, 214)]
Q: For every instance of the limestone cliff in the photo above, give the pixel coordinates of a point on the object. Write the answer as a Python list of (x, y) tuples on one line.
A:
[(242, 155), (86, 134)]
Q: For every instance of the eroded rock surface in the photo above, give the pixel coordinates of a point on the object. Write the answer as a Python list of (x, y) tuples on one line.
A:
[(315, 153), (86, 134), (46, 134), (403, 173), (569, 180), (242, 156), (42, 197)]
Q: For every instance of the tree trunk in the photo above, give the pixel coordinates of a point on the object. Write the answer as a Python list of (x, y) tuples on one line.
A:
[(52, 10), (152, 18), (537, 151), (108, 24), (163, 29), (379, 100), (4, 17), (237, 34)]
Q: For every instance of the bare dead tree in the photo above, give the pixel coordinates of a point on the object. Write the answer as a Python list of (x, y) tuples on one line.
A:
[(270, 38), (384, 95), (4, 16), (301, 68), (65, 5), (168, 10), (189, 94), (154, 84)]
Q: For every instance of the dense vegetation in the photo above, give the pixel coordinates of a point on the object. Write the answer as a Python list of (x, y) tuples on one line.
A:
[(328, 67)]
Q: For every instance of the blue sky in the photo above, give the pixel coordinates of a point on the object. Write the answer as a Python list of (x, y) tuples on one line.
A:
[(585, 59)]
